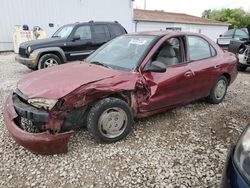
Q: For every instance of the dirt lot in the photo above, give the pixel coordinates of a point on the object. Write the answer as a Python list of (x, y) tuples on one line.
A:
[(184, 147)]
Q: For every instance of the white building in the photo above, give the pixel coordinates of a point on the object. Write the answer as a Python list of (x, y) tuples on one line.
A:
[(46, 13), (51, 14), (148, 20)]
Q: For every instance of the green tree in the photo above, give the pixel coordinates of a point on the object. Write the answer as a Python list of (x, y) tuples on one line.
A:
[(237, 17)]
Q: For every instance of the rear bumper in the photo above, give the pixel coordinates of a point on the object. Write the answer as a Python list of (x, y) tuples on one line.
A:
[(29, 62), (40, 143)]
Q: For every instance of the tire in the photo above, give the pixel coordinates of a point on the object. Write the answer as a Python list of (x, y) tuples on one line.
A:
[(47, 58), (219, 90), (101, 128), (241, 67)]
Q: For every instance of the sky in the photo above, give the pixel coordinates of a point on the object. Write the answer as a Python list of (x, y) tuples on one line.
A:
[(192, 7)]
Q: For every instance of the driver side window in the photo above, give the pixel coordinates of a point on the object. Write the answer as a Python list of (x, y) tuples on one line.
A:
[(84, 32), (170, 52)]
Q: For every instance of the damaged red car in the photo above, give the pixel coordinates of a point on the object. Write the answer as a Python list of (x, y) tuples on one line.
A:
[(133, 76)]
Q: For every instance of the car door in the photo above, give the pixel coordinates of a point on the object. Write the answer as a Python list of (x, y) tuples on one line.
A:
[(172, 87), (79, 44), (203, 62), (101, 35)]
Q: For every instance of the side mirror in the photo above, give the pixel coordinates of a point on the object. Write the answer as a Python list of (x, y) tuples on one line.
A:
[(76, 37), (156, 66), (220, 35)]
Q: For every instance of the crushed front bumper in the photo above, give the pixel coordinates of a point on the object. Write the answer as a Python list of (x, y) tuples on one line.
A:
[(40, 143), (29, 62)]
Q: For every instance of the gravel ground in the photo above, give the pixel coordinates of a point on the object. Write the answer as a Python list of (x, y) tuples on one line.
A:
[(184, 147)]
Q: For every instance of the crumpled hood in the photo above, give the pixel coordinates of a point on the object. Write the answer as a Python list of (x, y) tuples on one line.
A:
[(58, 81)]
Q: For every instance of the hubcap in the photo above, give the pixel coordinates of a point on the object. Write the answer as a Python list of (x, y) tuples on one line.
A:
[(220, 89), (112, 122), (50, 63)]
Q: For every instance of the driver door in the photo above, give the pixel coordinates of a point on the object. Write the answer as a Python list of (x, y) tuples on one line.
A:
[(172, 87)]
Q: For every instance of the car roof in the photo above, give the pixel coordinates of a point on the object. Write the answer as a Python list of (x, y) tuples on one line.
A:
[(82, 23), (164, 33)]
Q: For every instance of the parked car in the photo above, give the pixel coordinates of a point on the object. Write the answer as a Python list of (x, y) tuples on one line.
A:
[(242, 49), (224, 40), (132, 76), (70, 42), (237, 168)]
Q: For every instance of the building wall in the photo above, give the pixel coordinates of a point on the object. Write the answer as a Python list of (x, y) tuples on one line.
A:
[(59, 12), (212, 31)]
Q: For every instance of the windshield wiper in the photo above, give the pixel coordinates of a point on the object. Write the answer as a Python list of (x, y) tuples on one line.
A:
[(99, 63), (56, 36)]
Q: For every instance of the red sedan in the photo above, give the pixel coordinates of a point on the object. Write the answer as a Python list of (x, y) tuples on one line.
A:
[(132, 76)]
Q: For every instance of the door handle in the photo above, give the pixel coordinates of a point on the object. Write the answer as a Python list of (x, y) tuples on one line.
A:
[(188, 74)]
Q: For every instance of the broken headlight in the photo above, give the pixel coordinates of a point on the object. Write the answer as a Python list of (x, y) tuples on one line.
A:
[(47, 104), (242, 154)]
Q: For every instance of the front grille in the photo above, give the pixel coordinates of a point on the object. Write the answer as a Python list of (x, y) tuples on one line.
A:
[(22, 52)]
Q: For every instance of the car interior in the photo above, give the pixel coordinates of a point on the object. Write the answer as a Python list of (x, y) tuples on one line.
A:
[(169, 53)]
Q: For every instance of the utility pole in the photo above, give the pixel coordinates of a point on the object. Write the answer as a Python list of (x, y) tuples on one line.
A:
[(145, 3)]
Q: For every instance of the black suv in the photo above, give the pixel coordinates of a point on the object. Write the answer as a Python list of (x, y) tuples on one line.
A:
[(70, 42)]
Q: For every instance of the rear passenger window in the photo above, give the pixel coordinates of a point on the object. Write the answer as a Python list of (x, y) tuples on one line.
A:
[(84, 32), (198, 48), (115, 30), (101, 33)]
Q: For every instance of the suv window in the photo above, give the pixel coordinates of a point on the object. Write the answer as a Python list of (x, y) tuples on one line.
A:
[(115, 30), (228, 33), (199, 48), (240, 33), (101, 33), (84, 32)]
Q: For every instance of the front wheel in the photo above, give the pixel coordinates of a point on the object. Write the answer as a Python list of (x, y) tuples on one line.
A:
[(218, 91), (110, 120), (48, 60)]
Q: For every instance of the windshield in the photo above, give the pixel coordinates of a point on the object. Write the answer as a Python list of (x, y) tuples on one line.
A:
[(63, 32), (123, 52)]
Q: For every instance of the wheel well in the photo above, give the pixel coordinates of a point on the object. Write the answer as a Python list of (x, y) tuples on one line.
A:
[(53, 52), (227, 76), (123, 96)]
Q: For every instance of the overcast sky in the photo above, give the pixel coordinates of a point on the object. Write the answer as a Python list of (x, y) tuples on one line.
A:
[(193, 7)]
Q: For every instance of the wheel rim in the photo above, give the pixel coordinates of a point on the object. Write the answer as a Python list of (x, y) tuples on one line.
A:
[(220, 89), (50, 63), (112, 122)]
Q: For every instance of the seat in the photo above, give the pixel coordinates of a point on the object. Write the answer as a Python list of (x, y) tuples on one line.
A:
[(167, 56)]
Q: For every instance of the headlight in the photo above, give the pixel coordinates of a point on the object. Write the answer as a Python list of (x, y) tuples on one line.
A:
[(29, 50), (47, 104), (242, 153)]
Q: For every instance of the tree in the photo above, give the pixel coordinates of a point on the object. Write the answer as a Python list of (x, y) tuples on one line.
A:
[(237, 17)]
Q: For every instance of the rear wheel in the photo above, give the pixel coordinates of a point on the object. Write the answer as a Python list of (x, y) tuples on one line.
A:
[(218, 91), (110, 120), (48, 60)]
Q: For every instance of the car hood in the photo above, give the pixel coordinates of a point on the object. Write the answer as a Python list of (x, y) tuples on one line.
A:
[(40, 43), (58, 81)]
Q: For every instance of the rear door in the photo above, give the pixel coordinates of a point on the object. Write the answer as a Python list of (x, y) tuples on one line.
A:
[(79, 49), (203, 62)]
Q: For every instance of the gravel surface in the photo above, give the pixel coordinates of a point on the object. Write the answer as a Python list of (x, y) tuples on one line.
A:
[(184, 147)]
